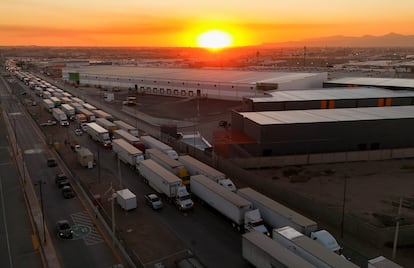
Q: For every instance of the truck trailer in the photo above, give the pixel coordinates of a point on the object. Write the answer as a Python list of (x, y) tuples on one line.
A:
[(111, 127), (48, 105), (128, 128), (153, 143), (85, 157), (196, 167), (68, 110), (309, 249), (126, 199), (170, 164), (90, 117), (126, 152), (277, 215), (164, 182), (102, 114), (135, 141), (263, 252), (60, 116), (99, 134), (237, 209)]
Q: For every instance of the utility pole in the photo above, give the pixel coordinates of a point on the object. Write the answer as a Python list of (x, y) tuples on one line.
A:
[(397, 227), (343, 206)]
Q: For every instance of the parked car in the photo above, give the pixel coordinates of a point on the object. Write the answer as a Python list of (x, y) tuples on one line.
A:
[(51, 162), (64, 230), (78, 132), (153, 201), (68, 192), (48, 123)]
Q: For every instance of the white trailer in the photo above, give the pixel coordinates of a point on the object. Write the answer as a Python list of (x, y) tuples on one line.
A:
[(277, 215), (126, 199), (128, 128), (196, 167), (239, 210), (166, 183), (77, 106), (75, 99), (56, 101), (309, 249), (68, 110), (127, 153), (170, 164), (85, 157), (111, 127), (153, 143), (98, 133), (135, 141), (60, 116), (89, 107), (48, 104), (102, 114), (263, 252), (382, 262)]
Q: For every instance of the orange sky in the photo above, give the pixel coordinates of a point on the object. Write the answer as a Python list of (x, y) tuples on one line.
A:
[(177, 23)]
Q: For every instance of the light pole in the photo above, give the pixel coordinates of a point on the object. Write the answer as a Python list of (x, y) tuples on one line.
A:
[(39, 183), (343, 206)]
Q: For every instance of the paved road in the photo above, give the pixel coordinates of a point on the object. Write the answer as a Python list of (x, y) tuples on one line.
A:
[(88, 249)]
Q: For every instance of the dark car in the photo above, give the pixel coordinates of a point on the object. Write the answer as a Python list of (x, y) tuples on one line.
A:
[(61, 180), (51, 162), (68, 192), (64, 230)]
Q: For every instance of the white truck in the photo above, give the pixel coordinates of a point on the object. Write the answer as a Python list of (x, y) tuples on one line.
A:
[(170, 164), (99, 134), (264, 252), (128, 128), (164, 182), (111, 127), (309, 249), (126, 199), (127, 153), (153, 143), (68, 110), (102, 114), (196, 167), (277, 215), (85, 157), (60, 116), (239, 210), (135, 141), (48, 104)]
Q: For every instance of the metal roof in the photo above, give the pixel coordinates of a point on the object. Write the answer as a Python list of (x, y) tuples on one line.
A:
[(374, 81), (336, 93), (329, 115), (206, 75)]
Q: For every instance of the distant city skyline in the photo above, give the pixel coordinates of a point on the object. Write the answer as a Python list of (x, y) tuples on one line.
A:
[(179, 23)]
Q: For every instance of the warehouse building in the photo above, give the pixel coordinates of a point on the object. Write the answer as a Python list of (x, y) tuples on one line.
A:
[(388, 83), (176, 82), (331, 98), (325, 131)]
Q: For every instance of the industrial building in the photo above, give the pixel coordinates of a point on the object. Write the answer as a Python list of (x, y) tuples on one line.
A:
[(325, 130), (388, 83), (177, 82), (331, 98)]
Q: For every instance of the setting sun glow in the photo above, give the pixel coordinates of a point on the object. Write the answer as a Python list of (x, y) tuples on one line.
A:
[(214, 39)]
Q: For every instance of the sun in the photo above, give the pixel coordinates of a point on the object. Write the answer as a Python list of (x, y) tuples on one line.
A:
[(214, 39)]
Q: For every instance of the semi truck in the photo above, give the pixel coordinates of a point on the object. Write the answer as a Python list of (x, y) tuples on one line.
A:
[(277, 215), (263, 252), (68, 110), (127, 153), (77, 106), (153, 143), (135, 141), (56, 101), (90, 117), (237, 209), (111, 127), (102, 114), (196, 167), (309, 249), (99, 134), (126, 199), (48, 104), (164, 182), (128, 128), (170, 164), (60, 116), (85, 157), (89, 107)]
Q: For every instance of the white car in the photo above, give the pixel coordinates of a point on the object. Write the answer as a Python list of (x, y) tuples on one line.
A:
[(78, 132)]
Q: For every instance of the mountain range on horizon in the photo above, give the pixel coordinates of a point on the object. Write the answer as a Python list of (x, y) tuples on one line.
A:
[(388, 40)]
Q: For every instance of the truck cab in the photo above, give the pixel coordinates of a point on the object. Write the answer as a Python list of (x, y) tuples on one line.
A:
[(324, 238), (253, 222), (183, 199)]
